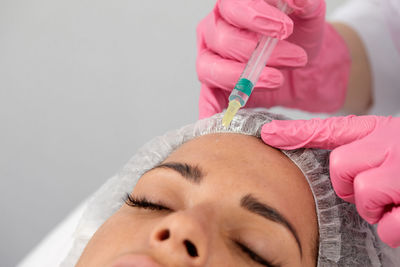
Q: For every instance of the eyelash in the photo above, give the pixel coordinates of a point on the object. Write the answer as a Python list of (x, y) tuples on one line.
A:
[(143, 203), (254, 255)]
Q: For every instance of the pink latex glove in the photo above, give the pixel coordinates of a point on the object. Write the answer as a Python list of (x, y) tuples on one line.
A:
[(364, 163), (228, 35)]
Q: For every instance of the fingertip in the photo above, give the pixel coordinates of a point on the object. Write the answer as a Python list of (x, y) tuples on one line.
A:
[(301, 57), (287, 26), (281, 134), (270, 78), (297, 4), (287, 54), (308, 9), (269, 133), (389, 228), (342, 180), (257, 16), (369, 204)]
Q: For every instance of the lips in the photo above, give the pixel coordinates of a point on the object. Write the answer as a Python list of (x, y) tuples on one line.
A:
[(135, 261)]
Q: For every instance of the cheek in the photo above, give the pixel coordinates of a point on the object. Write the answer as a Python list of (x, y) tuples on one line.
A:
[(122, 233)]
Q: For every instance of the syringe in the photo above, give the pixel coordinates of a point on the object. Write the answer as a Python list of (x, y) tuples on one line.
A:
[(257, 62)]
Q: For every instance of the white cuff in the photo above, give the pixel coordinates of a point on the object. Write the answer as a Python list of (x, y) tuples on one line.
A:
[(367, 18)]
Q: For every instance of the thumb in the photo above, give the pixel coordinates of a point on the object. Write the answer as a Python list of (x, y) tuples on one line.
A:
[(389, 227), (317, 133)]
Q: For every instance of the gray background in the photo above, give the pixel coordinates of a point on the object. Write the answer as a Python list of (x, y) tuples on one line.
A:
[(83, 84)]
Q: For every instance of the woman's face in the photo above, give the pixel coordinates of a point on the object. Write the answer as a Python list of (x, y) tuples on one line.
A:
[(218, 200)]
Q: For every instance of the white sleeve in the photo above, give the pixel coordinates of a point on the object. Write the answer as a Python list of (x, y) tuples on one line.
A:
[(367, 18)]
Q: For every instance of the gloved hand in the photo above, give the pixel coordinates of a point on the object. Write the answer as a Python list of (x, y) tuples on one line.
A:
[(228, 35), (364, 163)]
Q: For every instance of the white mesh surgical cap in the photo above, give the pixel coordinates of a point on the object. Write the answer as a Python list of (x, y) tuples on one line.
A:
[(344, 238)]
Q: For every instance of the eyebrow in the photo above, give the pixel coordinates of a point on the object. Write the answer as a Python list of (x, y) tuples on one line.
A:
[(192, 173), (195, 174), (251, 204)]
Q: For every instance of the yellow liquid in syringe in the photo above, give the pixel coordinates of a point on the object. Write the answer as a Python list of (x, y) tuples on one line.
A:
[(230, 112)]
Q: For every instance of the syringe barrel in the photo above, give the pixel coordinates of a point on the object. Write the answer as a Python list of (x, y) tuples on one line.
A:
[(256, 64), (252, 72), (259, 58)]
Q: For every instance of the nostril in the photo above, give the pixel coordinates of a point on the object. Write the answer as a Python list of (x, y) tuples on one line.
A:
[(163, 235), (191, 249)]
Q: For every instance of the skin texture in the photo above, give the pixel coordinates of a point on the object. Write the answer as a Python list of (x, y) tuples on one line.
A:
[(207, 212)]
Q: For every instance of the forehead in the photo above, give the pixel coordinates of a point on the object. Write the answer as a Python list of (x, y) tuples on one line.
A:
[(239, 155)]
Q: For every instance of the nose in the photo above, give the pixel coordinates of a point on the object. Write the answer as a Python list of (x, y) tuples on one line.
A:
[(182, 240)]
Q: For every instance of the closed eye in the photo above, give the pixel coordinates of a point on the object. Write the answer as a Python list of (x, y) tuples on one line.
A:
[(143, 203), (254, 256)]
